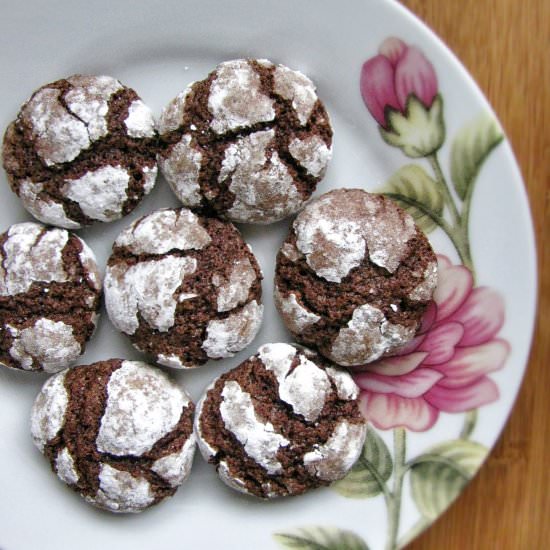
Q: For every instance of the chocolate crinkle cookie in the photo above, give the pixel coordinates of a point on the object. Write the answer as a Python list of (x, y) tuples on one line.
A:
[(354, 277), (184, 288), (118, 432), (82, 149), (250, 142), (281, 423), (49, 297)]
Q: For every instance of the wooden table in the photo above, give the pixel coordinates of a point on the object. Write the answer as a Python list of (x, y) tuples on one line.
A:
[(505, 45)]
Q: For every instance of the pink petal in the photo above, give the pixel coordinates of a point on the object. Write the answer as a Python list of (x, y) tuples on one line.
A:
[(428, 318), (411, 385), (393, 48), (409, 347), (391, 411), (443, 262), (377, 88), (414, 74), (469, 364), (463, 399), (440, 342), (453, 287), (394, 366), (482, 315)]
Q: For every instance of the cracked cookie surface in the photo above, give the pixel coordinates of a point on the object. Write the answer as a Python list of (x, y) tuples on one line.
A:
[(250, 142), (81, 150), (118, 432), (354, 277), (281, 423), (49, 297), (184, 288)]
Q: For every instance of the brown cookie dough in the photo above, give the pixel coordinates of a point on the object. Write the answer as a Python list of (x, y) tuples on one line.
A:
[(184, 288), (82, 149), (49, 297), (250, 142), (281, 423), (118, 432), (354, 277)]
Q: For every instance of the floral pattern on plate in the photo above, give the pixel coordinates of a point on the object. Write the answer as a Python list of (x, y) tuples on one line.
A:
[(446, 368)]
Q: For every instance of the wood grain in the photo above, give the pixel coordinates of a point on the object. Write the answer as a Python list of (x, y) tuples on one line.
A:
[(505, 46)]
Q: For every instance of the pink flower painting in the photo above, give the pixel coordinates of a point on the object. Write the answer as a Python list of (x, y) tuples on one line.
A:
[(388, 79), (446, 367), (399, 88)]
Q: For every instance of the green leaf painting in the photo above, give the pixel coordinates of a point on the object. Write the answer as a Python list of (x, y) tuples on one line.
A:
[(416, 192), (471, 147), (374, 467), (320, 538), (439, 475)]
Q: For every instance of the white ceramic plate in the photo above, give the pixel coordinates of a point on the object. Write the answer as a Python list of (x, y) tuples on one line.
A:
[(473, 355)]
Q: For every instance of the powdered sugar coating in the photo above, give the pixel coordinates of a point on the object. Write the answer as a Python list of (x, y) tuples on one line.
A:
[(333, 459), (88, 99), (63, 127), (149, 178), (305, 388), (89, 263), (346, 388), (121, 492), (312, 153), (367, 337), (140, 122), (100, 193), (58, 135), (176, 467), (34, 260), (74, 154), (171, 361), (263, 187), (31, 253), (265, 63), (296, 317), (192, 272), (119, 432), (100, 86), (48, 410), (227, 336), (44, 210), (291, 252), (261, 115), (50, 343), (164, 230), (298, 88), (425, 290), (277, 358), (143, 405), (332, 247), (148, 288), (247, 403), (234, 291), (172, 115), (229, 479), (259, 438), (187, 296), (206, 450), (235, 99), (65, 467), (340, 227), (181, 168)]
